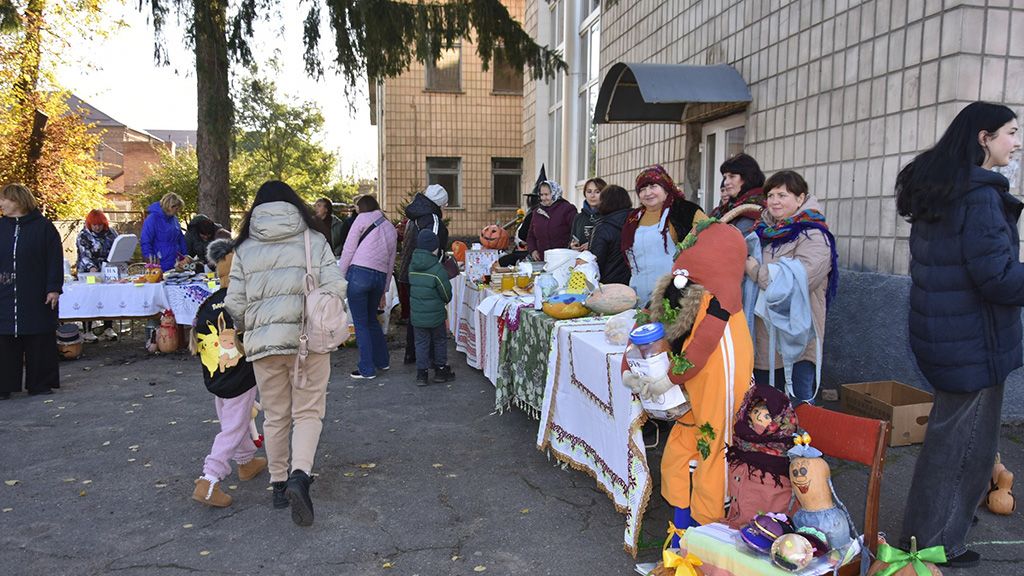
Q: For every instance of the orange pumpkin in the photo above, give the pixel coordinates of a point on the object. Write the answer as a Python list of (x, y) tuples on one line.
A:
[(459, 251), (494, 237), (153, 273)]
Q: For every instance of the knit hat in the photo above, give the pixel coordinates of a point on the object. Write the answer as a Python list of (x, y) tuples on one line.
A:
[(221, 253), (427, 240), (437, 194), (657, 175), (556, 190)]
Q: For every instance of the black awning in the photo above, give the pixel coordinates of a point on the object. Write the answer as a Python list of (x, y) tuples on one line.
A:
[(666, 93)]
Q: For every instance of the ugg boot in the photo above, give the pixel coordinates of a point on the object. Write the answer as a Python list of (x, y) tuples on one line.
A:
[(444, 374), (297, 492), (252, 468), (209, 493), (422, 377)]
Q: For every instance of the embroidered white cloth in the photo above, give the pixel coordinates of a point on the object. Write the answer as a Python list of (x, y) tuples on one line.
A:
[(591, 421), (81, 301)]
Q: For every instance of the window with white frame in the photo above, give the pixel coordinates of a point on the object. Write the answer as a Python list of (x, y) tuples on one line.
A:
[(447, 173), (555, 97), (445, 75), (506, 179), (589, 67)]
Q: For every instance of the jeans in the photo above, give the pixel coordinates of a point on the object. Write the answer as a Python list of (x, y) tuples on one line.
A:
[(431, 344), (365, 288), (953, 469), (804, 372)]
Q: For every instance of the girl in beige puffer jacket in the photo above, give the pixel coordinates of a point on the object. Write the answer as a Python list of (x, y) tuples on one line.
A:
[(266, 298)]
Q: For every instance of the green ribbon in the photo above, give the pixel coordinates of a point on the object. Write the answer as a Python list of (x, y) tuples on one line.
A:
[(898, 559)]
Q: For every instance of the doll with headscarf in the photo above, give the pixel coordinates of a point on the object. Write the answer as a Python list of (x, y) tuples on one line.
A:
[(763, 430), (700, 306), (551, 225)]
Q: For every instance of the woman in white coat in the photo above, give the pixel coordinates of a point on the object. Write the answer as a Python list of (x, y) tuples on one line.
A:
[(266, 299)]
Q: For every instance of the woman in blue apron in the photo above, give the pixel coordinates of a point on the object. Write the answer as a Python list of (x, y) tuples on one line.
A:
[(651, 231)]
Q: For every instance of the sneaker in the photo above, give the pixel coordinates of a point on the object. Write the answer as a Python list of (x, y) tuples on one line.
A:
[(109, 334), (88, 336), (969, 559), (444, 374), (297, 492), (252, 468), (209, 493), (359, 376), (280, 500), (422, 377)]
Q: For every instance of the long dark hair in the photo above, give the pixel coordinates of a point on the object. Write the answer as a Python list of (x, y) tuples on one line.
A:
[(277, 191), (330, 208), (938, 175)]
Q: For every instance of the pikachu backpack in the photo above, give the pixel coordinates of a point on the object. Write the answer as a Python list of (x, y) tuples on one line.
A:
[(225, 371)]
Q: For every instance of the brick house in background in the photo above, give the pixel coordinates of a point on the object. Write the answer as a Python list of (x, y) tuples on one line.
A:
[(455, 124)]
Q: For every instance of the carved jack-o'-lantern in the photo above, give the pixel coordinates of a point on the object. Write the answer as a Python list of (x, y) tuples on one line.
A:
[(494, 237), (459, 251), (167, 334)]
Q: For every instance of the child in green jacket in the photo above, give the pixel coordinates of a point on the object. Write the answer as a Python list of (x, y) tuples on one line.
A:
[(429, 293)]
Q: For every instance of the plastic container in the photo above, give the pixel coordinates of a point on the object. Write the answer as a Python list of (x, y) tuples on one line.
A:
[(647, 354)]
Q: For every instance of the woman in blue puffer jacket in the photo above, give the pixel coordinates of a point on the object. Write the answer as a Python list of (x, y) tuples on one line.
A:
[(161, 233), (965, 327)]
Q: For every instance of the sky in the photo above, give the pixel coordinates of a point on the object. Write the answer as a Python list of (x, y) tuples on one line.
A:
[(117, 75)]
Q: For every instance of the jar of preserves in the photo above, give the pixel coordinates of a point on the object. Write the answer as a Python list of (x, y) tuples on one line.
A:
[(649, 354)]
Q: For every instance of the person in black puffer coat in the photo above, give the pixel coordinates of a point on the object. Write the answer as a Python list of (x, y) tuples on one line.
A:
[(422, 213), (965, 325), (606, 240), (588, 216), (31, 281)]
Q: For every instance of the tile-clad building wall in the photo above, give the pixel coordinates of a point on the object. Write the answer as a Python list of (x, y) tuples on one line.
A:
[(475, 125), (844, 91)]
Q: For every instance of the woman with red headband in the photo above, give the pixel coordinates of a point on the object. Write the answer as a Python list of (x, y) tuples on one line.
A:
[(94, 242), (651, 231)]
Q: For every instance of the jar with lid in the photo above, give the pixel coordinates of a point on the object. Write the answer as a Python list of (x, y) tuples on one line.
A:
[(648, 354)]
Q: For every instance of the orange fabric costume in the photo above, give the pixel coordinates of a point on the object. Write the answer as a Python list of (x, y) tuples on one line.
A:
[(713, 337)]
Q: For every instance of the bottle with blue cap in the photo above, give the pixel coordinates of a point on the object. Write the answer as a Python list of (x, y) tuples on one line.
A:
[(648, 354)]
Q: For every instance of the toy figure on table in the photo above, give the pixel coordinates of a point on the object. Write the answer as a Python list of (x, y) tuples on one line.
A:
[(713, 359), (812, 487)]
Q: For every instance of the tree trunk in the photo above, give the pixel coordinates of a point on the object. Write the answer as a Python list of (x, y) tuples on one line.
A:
[(28, 83), (213, 133)]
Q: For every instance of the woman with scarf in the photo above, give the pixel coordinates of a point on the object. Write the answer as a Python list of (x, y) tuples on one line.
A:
[(651, 231), (552, 221), (94, 243), (583, 224), (797, 247), (742, 193)]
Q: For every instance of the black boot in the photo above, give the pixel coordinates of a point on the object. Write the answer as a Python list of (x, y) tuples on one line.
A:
[(280, 500), (422, 377), (444, 374), (297, 492)]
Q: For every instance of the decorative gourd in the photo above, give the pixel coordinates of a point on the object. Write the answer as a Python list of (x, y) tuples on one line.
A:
[(809, 477), (997, 470), (494, 237), (153, 273), (565, 307), (1000, 500), (908, 568), (459, 251), (167, 334), (612, 299)]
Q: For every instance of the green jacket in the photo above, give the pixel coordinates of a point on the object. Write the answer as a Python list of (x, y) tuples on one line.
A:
[(429, 290)]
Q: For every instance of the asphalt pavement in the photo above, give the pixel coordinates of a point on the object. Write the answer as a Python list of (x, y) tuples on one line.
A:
[(409, 481)]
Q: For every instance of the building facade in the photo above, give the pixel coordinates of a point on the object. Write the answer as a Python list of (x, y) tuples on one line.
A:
[(846, 92), (455, 124)]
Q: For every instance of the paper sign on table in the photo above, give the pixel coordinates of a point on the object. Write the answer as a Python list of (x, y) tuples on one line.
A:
[(211, 285), (90, 279)]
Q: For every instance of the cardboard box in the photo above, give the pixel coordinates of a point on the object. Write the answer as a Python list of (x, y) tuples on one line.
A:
[(905, 408)]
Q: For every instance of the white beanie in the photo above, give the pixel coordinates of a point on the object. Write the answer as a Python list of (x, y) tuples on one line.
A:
[(437, 194)]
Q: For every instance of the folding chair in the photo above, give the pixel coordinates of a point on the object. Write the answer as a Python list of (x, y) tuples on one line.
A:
[(856, 439)]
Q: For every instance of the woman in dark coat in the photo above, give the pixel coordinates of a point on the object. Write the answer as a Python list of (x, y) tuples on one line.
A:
[(743, 195), (31, 281), (965, 304), (606, 240), (551, 225), (584, 222)]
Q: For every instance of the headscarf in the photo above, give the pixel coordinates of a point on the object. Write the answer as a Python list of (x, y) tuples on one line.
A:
[(651, 175), (556, 190), (766, 451), (789, 229)]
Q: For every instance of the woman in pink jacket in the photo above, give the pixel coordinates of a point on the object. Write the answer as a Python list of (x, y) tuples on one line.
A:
[(367, 263)]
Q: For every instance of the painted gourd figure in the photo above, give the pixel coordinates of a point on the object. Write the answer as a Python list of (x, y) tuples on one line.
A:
[(812, 485), (167, 334)]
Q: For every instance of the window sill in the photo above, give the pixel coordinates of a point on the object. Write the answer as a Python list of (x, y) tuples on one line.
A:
[(496, 93), (433, 91)]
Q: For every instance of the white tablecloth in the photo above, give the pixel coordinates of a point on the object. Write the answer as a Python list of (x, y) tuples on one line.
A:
[(592, 421), (81, 301)]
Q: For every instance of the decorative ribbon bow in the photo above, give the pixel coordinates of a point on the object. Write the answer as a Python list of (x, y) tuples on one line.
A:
[(898, 559), (685, 566)]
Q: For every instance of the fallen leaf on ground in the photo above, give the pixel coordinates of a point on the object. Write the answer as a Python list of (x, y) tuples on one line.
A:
[(233, 487), (8, 509), (82, 493), (479, 568), (367, 465), (189, 525), (129, 411), (451, 475), (437, 465), (147, 395), (172, 422), (524, 511), (160, 485), (86, 481), (172, 390), (133, 447), (11, 482), (147, 464), (349, 474), (107, 443), (131, 459), (387, 565), (391, 429), (69, 479), (204, 552), (454, 558), (47, 401)]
